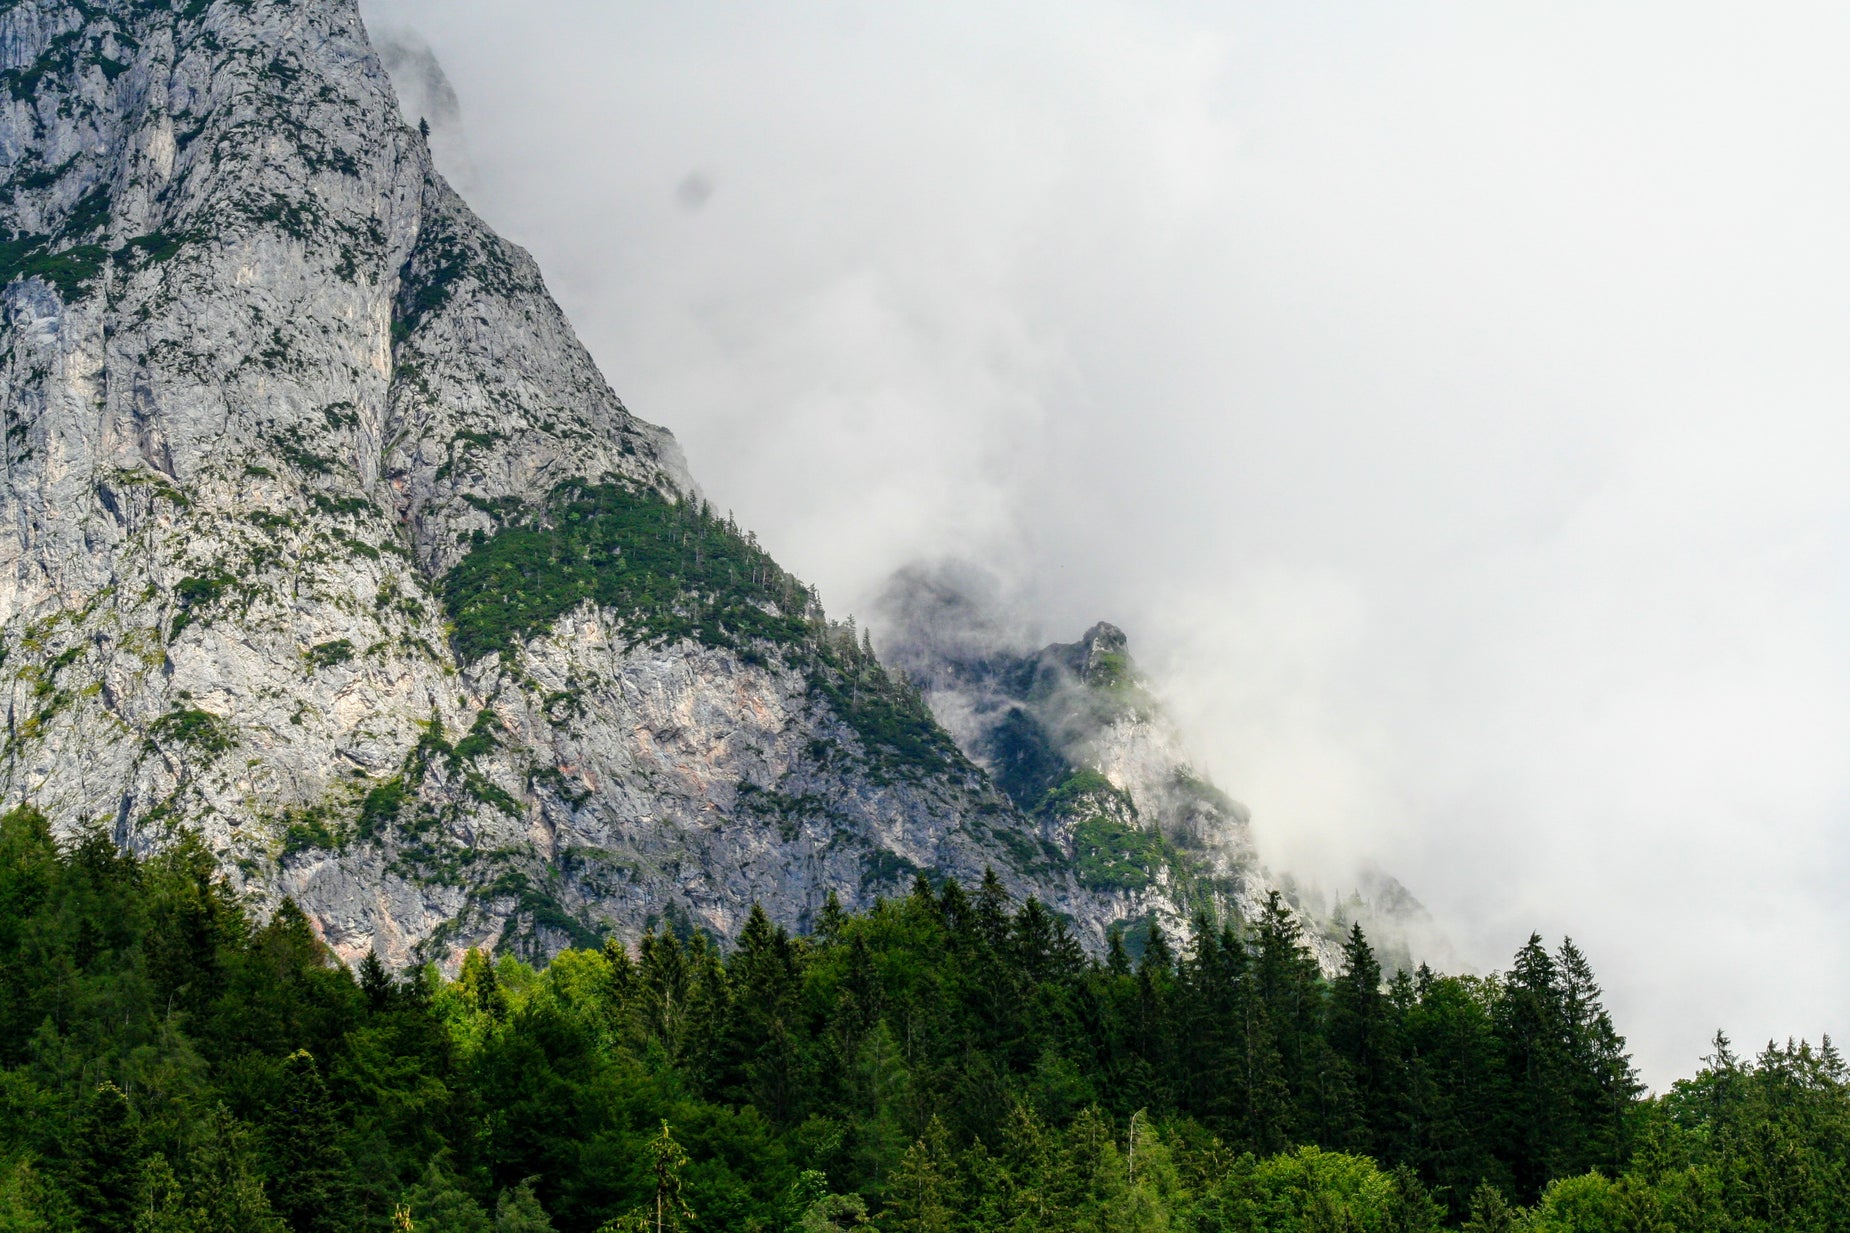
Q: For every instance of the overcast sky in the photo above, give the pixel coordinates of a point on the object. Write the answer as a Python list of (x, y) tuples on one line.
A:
[(1450, 400)]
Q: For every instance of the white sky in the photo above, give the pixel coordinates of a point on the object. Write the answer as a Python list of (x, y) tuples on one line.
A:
[(1448, 398)]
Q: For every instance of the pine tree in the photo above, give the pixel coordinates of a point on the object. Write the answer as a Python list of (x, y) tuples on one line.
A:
[(1411, 1208), (1117, 960), (437, 1204), (1533, 1027), (955, 910), (1092, 1174), (103, 1169), (195, 920), (1207, 1019), (519, 1211), (160, 1203), (922, 1195), (376, 983), (1602, 1083), (829, 923), (480, 984), (1034, 1183), (1158, 955), (1034, 939), (623, 974), (308, 1168), (1357, 1037), (226, 1191), (1287, 1020), (763, 983), (1491, 1212), (992, 910)]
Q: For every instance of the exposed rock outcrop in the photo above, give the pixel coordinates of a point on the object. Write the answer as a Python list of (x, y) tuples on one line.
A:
[(1074, 735), (323, 535)]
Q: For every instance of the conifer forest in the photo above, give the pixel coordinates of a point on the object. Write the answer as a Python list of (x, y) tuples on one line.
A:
[(949, 1060), (424, 810)]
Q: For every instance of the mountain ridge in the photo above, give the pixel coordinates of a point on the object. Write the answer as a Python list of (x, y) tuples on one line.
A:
[(326, 538)]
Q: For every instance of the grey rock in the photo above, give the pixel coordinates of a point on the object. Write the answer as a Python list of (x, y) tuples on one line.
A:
[(265, 382)]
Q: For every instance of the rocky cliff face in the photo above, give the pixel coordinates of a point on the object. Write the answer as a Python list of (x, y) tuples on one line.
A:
[(322, 535), (1074, 736)]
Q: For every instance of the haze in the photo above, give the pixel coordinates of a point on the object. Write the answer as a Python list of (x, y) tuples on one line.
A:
[(1448, 399)]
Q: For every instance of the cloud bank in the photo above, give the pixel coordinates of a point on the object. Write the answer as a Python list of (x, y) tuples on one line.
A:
[(1448, 400)]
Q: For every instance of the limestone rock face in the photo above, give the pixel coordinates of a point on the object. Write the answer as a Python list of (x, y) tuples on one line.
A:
[(269, 392)]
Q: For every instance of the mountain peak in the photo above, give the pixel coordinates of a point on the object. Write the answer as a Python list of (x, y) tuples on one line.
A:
[(329, 543), (1107, 654)]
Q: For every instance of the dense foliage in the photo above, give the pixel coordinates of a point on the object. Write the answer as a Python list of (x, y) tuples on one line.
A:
[(672, 571), (947, 1061)]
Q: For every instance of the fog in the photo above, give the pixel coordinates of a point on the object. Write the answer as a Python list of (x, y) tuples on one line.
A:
[(1448, 399)]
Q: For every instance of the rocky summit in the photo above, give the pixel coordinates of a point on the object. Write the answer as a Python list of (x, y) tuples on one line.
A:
[(324, 538)]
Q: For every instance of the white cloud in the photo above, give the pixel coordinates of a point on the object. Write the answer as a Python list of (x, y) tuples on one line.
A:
[(1447, 398)]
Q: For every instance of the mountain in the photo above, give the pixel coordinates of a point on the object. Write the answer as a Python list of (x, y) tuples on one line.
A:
[(324, 537), (1076, 738)]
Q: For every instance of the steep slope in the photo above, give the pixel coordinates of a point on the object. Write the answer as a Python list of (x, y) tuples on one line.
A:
[(323, 535), (1074, 736)]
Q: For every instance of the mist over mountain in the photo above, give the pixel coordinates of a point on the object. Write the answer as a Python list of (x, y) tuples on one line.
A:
[(1073, 733), (1444, 402), (331, 545), (425, 805)]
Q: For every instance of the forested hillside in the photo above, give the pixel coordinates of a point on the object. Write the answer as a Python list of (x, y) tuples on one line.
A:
[(949, 1060)]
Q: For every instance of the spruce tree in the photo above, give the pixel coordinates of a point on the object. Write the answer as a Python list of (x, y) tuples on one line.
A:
[(225, 1185), (1601, 1081), (829, 922), (922, 1196), (760, 1053), (376, 983), (1490, 1212), (439, 1203), (1536, 1108), (519, 1211), (104, 1166), (309, 1170), (1358, 1029), (666, 1211)]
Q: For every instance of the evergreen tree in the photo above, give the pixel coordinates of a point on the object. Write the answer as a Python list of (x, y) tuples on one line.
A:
[(829, 923), (160, 1203), (103, 1169), (1491, 1212), (225, 1182), (479, 983), (437, 1204), (309, 1171), (762, 1059), (1033, 1186), (519, 1211), (922, 1195), (375, 983), (1285, 1026), (1411, 1208), (194, 922), (1532, 1029), (1115, 1095), (1356, 1091), (1117, 960), (1602, 1084)]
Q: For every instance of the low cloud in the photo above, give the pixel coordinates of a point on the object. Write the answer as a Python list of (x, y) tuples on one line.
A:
[(1446, 399)]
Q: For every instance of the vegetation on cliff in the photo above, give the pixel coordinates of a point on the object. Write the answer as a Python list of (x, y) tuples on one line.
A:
[(674, 571)]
